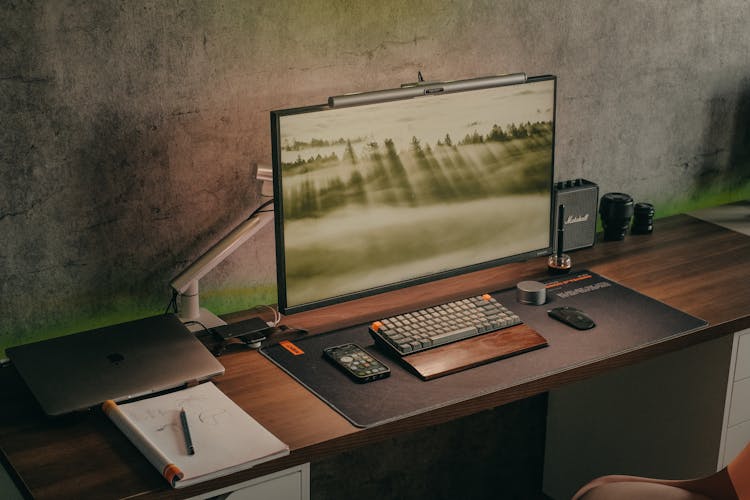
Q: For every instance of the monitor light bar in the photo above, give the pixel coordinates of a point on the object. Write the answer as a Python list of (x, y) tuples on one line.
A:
[(421, 89)]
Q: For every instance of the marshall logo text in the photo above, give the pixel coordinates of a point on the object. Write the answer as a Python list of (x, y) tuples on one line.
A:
[(573, 220)]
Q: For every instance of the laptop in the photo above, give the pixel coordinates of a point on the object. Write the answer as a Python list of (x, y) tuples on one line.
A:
[(118, 362)]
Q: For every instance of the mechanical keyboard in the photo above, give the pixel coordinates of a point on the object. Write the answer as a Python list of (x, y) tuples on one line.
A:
[(434, 326)]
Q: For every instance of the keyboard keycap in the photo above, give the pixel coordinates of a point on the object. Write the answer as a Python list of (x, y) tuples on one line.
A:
[(441, 324)]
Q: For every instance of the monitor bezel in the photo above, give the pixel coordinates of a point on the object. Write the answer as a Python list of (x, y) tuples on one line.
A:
[(286, 309)]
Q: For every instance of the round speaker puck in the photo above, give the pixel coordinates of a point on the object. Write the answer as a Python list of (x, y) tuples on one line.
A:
[(531, 292)]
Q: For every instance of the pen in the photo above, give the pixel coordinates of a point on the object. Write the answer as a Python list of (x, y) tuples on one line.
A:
[(560, 232), (186, 432)]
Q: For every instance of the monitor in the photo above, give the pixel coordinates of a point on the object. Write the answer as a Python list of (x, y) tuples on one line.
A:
[(381, 195)]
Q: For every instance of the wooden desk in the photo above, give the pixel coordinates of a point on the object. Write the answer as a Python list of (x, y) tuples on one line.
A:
[(687, 263)]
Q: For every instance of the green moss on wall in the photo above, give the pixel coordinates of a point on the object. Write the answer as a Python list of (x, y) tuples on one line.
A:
[(128, 309), (238, 299), (711, 196)]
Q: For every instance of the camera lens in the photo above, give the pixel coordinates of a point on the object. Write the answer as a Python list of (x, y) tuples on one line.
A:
[(616, 210), (643, 218)]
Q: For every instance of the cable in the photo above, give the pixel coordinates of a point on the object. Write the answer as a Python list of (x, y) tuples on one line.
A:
[(260, 207), (172, 303), (276, 316), (195, 322)]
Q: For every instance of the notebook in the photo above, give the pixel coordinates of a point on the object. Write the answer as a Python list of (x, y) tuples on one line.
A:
[(217, 437), (118, 362)]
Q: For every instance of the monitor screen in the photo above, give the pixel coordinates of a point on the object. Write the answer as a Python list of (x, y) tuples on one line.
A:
[(373, 197)]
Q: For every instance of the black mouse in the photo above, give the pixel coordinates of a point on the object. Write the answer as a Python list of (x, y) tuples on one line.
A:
[(573, 317)]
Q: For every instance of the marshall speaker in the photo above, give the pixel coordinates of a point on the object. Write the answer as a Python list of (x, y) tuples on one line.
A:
[(581, 199)]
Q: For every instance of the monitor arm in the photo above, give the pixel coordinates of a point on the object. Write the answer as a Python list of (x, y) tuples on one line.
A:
[(186, 283)]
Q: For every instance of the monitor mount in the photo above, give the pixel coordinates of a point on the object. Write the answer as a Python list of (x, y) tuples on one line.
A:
[(186, 283)]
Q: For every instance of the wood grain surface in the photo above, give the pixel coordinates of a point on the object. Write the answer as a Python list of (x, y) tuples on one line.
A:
[(475, 351)]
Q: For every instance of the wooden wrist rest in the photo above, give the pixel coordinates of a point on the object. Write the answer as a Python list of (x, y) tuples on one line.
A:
[(475, 351)]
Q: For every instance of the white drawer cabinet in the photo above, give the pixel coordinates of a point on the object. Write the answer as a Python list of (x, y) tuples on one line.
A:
[(737, 437), (736, 428), (742, 370), (739, 403), (288, 484)]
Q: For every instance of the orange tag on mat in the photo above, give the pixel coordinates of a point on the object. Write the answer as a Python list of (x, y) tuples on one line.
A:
[(291, 347)]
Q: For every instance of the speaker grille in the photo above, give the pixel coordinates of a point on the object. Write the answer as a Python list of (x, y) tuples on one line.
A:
[(581, 199)]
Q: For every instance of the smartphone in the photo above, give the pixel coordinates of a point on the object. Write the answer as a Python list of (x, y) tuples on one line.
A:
[(356, 362)]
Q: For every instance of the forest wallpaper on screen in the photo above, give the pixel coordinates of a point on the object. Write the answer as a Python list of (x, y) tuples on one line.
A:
[(384, 193)]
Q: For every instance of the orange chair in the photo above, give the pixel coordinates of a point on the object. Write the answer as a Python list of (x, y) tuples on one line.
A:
[(730, 483)]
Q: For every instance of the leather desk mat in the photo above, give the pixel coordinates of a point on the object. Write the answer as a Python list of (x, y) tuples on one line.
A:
[(625, 320)]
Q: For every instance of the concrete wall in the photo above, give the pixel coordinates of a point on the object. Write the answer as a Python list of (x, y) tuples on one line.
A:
[(130, 130)]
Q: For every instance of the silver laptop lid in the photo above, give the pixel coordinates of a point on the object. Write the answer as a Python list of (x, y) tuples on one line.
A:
[(118, 362)]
